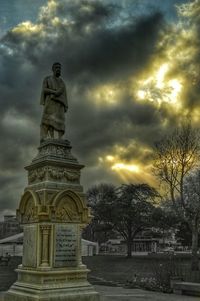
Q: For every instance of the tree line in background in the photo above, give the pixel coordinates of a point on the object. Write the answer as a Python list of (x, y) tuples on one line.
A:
[(132, 208)]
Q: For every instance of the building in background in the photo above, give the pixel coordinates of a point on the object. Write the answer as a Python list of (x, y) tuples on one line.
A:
[(89, 248), (140, 245), (13, 246), (9, 226)]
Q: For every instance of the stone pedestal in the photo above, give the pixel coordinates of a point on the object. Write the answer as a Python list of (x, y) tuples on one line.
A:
[(53, 212)]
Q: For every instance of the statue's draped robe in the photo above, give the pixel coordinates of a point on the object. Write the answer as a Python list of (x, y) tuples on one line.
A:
[(54, 106)]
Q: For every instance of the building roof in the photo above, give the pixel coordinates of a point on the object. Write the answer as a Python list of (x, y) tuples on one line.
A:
[(19, 238), (14, 238), (89, 242)]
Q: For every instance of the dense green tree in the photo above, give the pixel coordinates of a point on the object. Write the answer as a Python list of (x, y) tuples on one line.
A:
[(164, 220), (101, 199), (184, 234), (133, 214), (126, 210)]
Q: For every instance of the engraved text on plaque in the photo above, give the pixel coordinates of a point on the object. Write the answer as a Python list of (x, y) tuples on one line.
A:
[(66, 245)]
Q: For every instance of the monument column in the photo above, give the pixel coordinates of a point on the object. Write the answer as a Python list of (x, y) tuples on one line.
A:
[(45, 243), (53, 211)]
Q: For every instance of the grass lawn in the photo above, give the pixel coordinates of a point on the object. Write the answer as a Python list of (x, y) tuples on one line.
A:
[(121, 269), (118, 269)]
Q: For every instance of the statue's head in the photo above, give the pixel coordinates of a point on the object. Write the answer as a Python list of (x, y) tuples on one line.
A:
[(56, 67)]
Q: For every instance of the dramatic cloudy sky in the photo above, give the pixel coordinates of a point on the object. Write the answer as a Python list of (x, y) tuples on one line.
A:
[(131, 69)]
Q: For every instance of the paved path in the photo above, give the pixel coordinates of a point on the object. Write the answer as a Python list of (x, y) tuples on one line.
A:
[(109, 293), (120, 294)]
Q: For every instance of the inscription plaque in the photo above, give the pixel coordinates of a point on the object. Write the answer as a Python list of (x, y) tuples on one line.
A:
[(66, 245), (30, 246)]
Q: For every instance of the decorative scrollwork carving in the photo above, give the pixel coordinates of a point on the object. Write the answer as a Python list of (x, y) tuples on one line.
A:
[(55, 150), (37, 174), (72, 176), (53, 173), (62, 173), (67, 211), (30, 212)]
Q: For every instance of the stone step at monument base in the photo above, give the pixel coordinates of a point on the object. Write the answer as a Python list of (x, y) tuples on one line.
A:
[(49, 284), (27, 292), (48, 276)]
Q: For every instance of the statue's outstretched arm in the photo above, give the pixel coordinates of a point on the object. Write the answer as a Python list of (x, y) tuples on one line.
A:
[(49, 91)]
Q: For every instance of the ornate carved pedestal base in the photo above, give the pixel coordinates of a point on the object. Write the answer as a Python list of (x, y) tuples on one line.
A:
[(68, 285), (53, 212)]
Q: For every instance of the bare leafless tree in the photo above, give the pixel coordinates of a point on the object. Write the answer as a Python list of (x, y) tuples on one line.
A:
[(191, 191), (176, 155)]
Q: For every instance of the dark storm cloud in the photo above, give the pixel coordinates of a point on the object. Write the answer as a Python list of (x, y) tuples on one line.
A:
[(93, 49), (18, 81), (104, 53), (117, 53), (121, 50), (87, 12), (115, 125), (11, 191)]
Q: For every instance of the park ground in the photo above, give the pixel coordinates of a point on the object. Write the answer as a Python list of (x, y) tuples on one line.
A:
[(110, 275), (120, 270), (108, 293), (122, 294)]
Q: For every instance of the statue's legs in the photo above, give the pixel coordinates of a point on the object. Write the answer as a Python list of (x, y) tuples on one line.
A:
[(51, 132), (46, 130), (43, 131), (60, 134)]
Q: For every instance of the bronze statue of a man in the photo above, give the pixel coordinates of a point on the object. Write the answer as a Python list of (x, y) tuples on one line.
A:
[(54, 99)]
